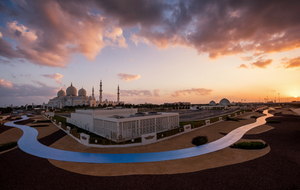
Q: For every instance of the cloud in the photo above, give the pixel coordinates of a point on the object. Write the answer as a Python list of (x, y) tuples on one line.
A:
[(128, 77), (9, 89), (262, 63), (291, 63), (156, 92), (222, 28), (197, 91), (242, 66), (55, 76), (135, 93), (109, 96), (5, 84), (247, 58), (48, 33), (116, 36)]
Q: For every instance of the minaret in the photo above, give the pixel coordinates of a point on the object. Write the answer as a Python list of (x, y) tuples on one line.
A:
[(100, 96), (118, 95), (93, 92)]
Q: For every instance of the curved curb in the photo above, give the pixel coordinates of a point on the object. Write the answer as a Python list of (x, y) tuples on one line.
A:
[(29, 144)]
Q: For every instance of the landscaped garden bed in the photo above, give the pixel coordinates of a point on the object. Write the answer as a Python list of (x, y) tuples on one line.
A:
[(8, 145), (250, 145), (199, 140)]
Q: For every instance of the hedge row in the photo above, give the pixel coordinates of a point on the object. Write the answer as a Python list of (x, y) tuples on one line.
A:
[(168, 133), (8, 145), (105, 141)]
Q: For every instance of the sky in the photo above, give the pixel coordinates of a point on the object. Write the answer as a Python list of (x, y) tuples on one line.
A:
[(156, 51)]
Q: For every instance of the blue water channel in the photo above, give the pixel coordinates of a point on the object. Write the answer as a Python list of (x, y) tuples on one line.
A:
[(29, 144)]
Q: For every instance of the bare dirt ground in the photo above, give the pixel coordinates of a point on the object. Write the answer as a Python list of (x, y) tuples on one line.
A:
[(223, 157), (195, 115), (279, 169), (14, 134)]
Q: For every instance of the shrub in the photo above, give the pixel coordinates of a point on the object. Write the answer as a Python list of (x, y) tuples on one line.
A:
[(232, 119), (250, 145), (43, 121), (39, 125), (6, 146), (254, 117), (273, 121), (199, 140)]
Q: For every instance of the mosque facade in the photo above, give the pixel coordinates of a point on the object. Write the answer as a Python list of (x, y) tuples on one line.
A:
[(71, 97)]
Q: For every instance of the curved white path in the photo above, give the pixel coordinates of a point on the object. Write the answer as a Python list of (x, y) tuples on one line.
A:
[(29, 144)]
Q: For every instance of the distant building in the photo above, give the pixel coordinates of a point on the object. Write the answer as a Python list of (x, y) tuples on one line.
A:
[(224, 104), (122, 124), (72, 98), (179, 103)]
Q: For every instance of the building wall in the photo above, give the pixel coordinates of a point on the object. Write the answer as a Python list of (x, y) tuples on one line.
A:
[(123, 128), (121, 112), (82, 119)]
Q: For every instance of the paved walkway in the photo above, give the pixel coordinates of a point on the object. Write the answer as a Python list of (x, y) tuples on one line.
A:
[(29, 144), (297, 111)]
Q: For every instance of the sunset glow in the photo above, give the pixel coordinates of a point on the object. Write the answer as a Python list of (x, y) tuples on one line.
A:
[(156, 51)]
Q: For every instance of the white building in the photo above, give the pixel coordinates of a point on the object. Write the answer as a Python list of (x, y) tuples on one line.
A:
[(224, 104), (71, 98), (122, 124)]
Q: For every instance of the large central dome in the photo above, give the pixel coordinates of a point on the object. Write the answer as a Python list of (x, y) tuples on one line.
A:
[(71, 91), (224, 102)]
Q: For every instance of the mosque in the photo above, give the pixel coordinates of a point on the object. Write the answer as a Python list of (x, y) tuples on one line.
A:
[(72, 98), (223, 104)]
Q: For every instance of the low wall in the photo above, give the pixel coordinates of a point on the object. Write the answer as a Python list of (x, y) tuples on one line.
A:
[(149, 138)]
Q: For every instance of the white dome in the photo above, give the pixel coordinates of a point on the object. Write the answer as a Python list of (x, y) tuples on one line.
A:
[(81, 92), (71, 90), (212, 103), (224, 102), (61, 93)]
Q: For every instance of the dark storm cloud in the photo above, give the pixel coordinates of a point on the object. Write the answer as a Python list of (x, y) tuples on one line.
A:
[(6, 50), (231, 27), (48, 32)]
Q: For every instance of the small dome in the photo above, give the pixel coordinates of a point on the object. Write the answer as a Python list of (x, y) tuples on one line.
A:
[(61, 93), (224, 102), (81, 92), (212, 103), (71, 90)]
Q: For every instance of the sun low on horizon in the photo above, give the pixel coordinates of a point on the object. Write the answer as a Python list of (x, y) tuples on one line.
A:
[(155, 51)]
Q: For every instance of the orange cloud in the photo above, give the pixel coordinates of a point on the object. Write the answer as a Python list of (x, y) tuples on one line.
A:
[(242, 66), (55, 76), (128, 77), (60, 32), (291, 63), (5, 84), (156, 92), (262, 64), (197, 91)]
